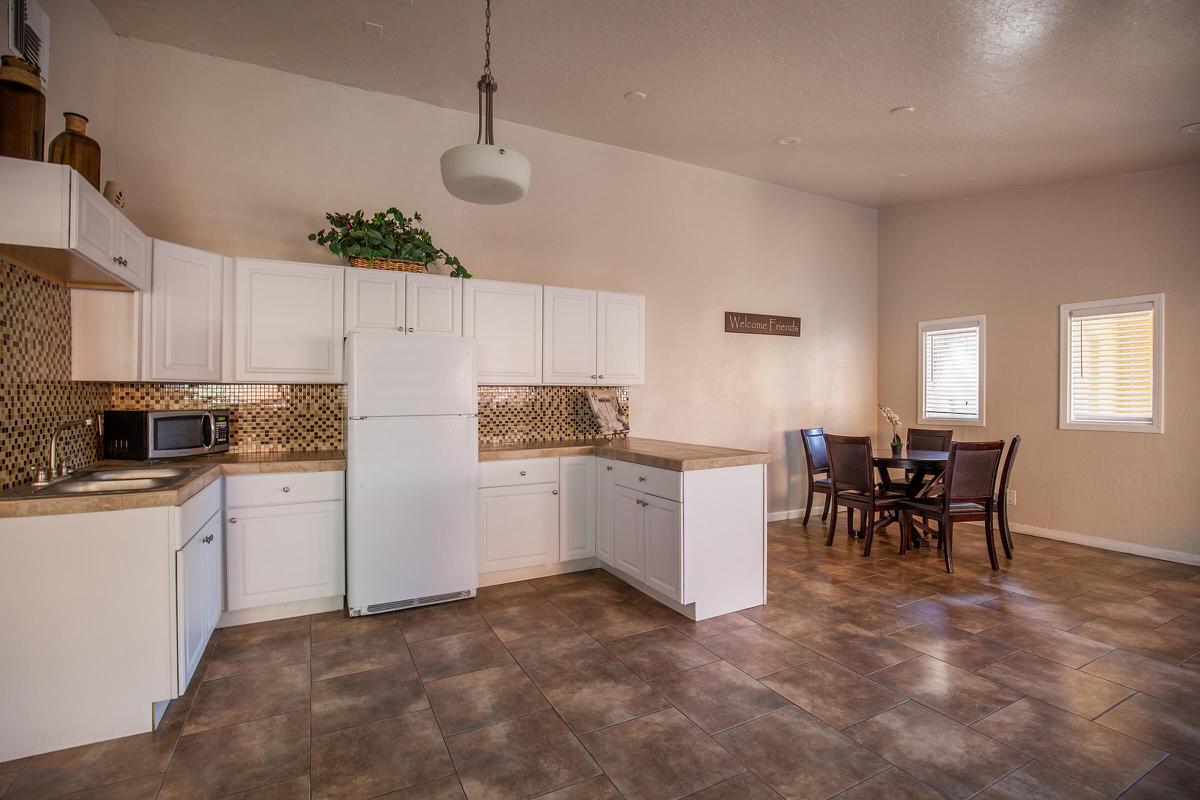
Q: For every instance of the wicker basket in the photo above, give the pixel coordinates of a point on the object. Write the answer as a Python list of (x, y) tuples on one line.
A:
[(383, 263)]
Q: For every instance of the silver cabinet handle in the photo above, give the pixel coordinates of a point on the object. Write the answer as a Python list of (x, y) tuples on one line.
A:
[(232, 520), (608, 468), (207, 539), (555, 491), (287, 489), (401, 329), (522, 473), (116, 260), (641, 478), (411, 330), (593, 377)]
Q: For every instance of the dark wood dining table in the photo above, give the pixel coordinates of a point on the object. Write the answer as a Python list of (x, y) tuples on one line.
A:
[(924, 467)]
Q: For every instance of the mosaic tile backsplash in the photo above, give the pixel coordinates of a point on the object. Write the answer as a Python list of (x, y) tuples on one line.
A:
[(520, 413), (37, 394)]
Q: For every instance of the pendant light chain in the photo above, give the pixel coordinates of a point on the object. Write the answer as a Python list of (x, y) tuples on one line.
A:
[(487, 84), (487, 38)]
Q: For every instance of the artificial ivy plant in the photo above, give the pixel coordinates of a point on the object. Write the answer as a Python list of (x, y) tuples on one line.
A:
[(387, 235)]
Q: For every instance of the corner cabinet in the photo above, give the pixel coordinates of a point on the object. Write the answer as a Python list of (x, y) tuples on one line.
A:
[(183, 313), (505, 319), (593, 338), (288, 322)]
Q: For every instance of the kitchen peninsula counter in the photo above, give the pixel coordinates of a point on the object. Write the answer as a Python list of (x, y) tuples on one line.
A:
[(676, 456)]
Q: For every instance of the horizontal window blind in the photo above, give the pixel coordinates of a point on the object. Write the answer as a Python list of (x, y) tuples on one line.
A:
[(952, 373), (1112, 365)]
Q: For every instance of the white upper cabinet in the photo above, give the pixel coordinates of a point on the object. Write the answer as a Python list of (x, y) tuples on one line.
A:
[(433, 304), (505, 319), (183, 315), (102, 234), (288, 322), (620, 339), (374, 300), (569, 336)]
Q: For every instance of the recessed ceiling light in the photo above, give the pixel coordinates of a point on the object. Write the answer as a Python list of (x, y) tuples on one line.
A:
[(1193, 128), (902, 110), (788, 140), (635, 97)]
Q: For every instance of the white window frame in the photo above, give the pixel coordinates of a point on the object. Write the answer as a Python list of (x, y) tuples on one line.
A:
[(1158, 301), (977, 320)]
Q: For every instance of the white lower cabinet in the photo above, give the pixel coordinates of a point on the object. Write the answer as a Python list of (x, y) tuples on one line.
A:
[(629, 532), (518, 526), (605, 483), (664, 552), (577, 507), (286, 538), (198, 579)]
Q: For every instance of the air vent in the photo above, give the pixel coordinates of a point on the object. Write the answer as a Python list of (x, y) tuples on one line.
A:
[(396, 605), (29, 34)]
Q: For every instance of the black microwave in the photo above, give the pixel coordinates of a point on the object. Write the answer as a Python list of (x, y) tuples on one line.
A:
[(149, 435)]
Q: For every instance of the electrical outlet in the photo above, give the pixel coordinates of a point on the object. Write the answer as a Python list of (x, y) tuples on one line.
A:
[(1011, 497)]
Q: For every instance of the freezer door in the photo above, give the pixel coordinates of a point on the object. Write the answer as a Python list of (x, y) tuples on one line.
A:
[(410, 515), (390, 375)]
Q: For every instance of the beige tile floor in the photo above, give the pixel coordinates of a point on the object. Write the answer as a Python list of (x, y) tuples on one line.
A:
[(1072, 673)]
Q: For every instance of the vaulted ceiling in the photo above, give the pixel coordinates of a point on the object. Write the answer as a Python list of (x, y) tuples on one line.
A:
[(1005, 93)]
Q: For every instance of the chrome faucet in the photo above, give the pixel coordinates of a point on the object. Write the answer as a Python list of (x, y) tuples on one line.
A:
[(58, 470)]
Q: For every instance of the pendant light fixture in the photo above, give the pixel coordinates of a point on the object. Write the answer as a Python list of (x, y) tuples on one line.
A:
[(482, 172)]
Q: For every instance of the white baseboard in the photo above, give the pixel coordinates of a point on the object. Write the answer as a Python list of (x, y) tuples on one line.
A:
[(794, 513), (297, 608), (1102, 543)]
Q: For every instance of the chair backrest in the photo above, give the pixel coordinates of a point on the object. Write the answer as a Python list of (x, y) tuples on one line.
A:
[(1006, 472), (850, 463), (814, 450), (929, 438), (971, 471)]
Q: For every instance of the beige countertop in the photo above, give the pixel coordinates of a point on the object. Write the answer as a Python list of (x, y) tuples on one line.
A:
[(676, 456), (202, 470)]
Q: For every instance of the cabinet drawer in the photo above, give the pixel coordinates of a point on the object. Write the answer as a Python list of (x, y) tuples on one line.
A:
[(518, 472), (651, 480), (283, 488)]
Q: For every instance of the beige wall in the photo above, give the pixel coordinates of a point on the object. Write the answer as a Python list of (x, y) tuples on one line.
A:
[(1015, 256), (244, 160)]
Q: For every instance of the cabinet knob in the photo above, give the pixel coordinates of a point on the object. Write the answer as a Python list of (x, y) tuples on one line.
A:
[(116, 260), (208, 539), (601, 377), (411, 330), (641, 478), (401, 329), (522, 473), (593, 377), (287, 489), (232, 520), (555, 491), (608, 468)]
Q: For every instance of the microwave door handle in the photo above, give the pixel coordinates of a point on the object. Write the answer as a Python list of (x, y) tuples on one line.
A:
[(211, 427)]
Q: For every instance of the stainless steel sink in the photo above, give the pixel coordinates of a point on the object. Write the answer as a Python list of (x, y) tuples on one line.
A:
[(84, 485), (133, 473)]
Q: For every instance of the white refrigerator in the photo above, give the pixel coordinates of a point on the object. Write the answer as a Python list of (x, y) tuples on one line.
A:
[(412, 452)]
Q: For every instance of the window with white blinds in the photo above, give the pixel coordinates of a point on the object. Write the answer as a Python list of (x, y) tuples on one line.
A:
[(951, 380), (1111, 358)]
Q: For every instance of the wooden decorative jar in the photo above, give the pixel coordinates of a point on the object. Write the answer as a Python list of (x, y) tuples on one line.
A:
[(22, 110), (75, 148)]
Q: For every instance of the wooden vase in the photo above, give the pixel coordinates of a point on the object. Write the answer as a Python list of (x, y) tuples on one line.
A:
[(22, 110), (75, 148)]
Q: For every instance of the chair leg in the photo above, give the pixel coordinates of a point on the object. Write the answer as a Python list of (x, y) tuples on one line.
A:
[(1005, 533), (948, 542), (905, 531), (808, 506), (869, 527), (850, 522), (832, 521), (825, 509), (990, 533)]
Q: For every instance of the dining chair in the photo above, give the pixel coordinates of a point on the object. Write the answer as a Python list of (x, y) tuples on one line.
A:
[(1001, 499), (852, 476), (927, 439), (968, 495), (818, 465)]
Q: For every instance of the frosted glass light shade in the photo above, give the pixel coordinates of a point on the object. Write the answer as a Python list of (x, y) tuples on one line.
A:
[(485, 173)]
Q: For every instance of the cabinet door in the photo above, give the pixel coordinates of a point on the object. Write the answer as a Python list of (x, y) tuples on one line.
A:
[(288, 322), (604, 510), (620, 339), (577, 507), (278, 554), (213, 539), (569, 336), (191, 564), (629, 532), (664, 555), (505, 319), (94, 225), (433, 304), (134, 248), (374, 300), (184, 316), (518, 527)]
